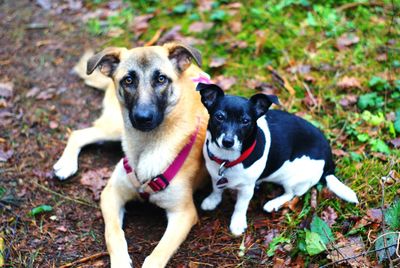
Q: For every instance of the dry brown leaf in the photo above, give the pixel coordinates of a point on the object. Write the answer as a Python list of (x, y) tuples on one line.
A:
[(348, 100), (329, 216), (95, 180), (339, 152), (348, 248), (217, 62), (313, 200), (349, 82), (198, 26), (6, 89), (140, 24), (205, 5), (346, 40), (225, 82), (235, 26), (395, 142)]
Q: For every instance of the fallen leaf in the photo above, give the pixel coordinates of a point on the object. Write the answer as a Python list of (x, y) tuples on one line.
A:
[(349, 248), (32, 92), (115, 32), (339, 152), (6, 89), (349, 82), (62, 228), (140, 24), (95, 180), (300, 69), (374, 215), (292, 203), (235, 26), (217, 62), (346, 40), (239, 44), (381, 57), (261, 38), (198, 26), (205, 5), (235, 5), (173, 34), (225, 82), (45, 4), (5, 155), (329, 216), (395, 142), (348, 100), (271, 234), (46, 94)]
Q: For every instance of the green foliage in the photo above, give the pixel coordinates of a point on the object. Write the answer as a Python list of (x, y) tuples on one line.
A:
[(380, 146), (378, 83), (314, 243), (392, 216), (370, 100), (322, 229), (40, 209), (276, 241)]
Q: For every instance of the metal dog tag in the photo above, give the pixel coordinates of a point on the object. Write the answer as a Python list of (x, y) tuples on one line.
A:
[(222, 182)]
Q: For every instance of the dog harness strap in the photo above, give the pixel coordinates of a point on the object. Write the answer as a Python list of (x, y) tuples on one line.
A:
[(161, 181), (241, 158)]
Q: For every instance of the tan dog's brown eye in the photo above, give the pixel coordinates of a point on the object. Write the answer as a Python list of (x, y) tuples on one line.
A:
[(128, 80), (161, 79)]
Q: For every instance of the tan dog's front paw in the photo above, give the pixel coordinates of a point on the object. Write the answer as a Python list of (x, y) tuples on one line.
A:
[(151, 262), (65, 167), (121, 261)]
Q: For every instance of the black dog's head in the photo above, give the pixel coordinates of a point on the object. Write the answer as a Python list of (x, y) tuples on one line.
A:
[(233, 119)]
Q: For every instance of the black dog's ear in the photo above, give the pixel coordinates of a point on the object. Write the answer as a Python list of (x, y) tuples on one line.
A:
[(181, 55), (209, 94), (262, 103), (107, 60)]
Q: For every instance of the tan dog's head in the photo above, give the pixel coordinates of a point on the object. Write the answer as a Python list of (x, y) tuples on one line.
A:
[(145, 79)]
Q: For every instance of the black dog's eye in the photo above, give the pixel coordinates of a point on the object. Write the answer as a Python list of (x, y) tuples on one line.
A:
[(161, 79), (245, 121), (128, 80), (219, 117)]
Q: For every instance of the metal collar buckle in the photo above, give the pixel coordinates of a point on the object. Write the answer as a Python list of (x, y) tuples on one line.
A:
[(222, 168)]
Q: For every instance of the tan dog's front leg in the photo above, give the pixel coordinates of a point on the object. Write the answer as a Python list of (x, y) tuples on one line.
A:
[(67, 165), (113, 198), (180, 221)]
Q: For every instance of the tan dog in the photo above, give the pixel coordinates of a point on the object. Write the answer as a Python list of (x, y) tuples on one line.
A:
[(161, 113)]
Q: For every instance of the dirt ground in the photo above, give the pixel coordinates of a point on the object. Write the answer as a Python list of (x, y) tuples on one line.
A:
[(38, 48)]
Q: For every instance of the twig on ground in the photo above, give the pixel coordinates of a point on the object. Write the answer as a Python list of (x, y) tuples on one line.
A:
[(155, 37), (85, 259), (64, 196), (356, 4)]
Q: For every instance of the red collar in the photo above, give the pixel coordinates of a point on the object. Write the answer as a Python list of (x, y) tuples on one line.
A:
[(161, 181), (241, 158)]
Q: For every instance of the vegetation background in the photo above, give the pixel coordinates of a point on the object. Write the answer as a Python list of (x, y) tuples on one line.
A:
[(335, 63)]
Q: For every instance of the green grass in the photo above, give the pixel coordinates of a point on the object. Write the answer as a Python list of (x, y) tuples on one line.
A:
[(302, 32)]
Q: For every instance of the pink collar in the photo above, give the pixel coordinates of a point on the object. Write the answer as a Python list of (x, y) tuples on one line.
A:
[(161, 181)]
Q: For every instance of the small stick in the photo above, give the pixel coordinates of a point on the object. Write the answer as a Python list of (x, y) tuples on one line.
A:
[(85, 259), (64, 197), (155, 37)]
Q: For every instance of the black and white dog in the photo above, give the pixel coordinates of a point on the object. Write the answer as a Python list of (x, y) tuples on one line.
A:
[(247, 144)]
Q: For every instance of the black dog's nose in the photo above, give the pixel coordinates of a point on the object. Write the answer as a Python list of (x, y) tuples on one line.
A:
[(143, 116), (228, 141)]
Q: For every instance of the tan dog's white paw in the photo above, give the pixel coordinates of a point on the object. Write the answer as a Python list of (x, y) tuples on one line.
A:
[(151, 262), (238, 225), (211, 202), (65, 168), (121, 261)]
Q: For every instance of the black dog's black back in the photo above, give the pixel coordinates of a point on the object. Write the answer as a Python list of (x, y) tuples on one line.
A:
[(293, 137)]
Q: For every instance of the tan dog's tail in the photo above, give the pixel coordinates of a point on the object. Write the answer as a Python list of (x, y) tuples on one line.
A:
[(96, 79)]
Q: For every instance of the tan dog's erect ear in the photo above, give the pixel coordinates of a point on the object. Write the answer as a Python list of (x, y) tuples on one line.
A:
[(108, 60), (182, 55)]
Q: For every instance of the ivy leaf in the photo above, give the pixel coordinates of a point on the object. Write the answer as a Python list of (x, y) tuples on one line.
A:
[(378, 83), (218, 15), (322, 229), (380, 146), (314, 243), (40, 209), (397, 121), (391, 243)]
